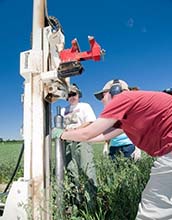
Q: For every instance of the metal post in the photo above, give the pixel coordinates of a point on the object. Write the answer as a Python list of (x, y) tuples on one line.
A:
[(38, 24), (38, 117), (35, 125), (60, 161)]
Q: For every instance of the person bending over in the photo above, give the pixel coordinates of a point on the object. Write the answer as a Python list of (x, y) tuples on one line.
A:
[(146, 118)]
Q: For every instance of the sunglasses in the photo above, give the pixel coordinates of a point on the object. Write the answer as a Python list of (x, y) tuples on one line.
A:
[(72, 94), (103, 95)]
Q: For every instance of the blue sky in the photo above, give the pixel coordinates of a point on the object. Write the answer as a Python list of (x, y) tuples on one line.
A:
[(136, 34)]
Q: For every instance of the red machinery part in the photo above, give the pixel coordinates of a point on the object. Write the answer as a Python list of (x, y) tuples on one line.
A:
[(74, 54)]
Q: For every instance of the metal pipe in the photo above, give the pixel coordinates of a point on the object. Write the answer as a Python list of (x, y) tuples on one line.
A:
[(47, 159), (38, 118), (59, 159), (38, 23)]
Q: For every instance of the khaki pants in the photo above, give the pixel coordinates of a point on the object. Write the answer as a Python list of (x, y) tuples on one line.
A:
[(156, 202), (79, 157), (80, 163)]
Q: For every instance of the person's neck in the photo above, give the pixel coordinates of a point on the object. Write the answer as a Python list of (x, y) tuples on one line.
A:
[(74, 104)]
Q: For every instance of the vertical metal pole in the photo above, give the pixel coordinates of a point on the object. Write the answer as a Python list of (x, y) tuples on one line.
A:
[(38, 24), (35, 126), (41, 121), (47, 160), (60, 162), (38, 110)]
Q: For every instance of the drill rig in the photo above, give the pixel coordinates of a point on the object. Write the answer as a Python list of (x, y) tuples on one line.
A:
[(46, 70)]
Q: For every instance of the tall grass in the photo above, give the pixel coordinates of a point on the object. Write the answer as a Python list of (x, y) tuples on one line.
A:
[(120, 184)]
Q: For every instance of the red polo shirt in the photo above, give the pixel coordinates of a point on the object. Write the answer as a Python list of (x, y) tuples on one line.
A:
[(146, 117)]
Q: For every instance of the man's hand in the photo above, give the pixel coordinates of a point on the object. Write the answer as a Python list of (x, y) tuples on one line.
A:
[(57, 132), (136, 155), (106, 149)]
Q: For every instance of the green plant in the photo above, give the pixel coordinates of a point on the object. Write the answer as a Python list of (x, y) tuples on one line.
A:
[(120, 183), (9, 152)]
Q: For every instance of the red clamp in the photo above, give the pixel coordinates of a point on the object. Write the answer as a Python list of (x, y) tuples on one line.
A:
[(74, 54)]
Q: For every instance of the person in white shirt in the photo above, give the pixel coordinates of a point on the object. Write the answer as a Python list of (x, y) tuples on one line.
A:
[(79, 155)]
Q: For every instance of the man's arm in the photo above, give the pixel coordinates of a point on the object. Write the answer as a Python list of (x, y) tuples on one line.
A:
[(84, 125), (107, 135), (100, 130)]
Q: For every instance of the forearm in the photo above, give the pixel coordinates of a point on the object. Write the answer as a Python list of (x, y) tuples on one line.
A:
[(84, 135), (107, 135), (100, 130), (75, 135), (98, 138), (84, 125)]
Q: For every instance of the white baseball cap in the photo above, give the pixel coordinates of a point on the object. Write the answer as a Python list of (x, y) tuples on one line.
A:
[(108, 85)]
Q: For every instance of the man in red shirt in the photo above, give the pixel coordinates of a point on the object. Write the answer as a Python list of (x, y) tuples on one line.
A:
[(146, 118)]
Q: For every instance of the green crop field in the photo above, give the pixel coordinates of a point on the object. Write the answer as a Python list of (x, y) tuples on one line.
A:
[(9, 152), (120, 184)]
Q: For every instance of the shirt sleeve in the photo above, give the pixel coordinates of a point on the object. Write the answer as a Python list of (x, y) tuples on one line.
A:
[(89, 115), (63, 111), (118, 107)]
